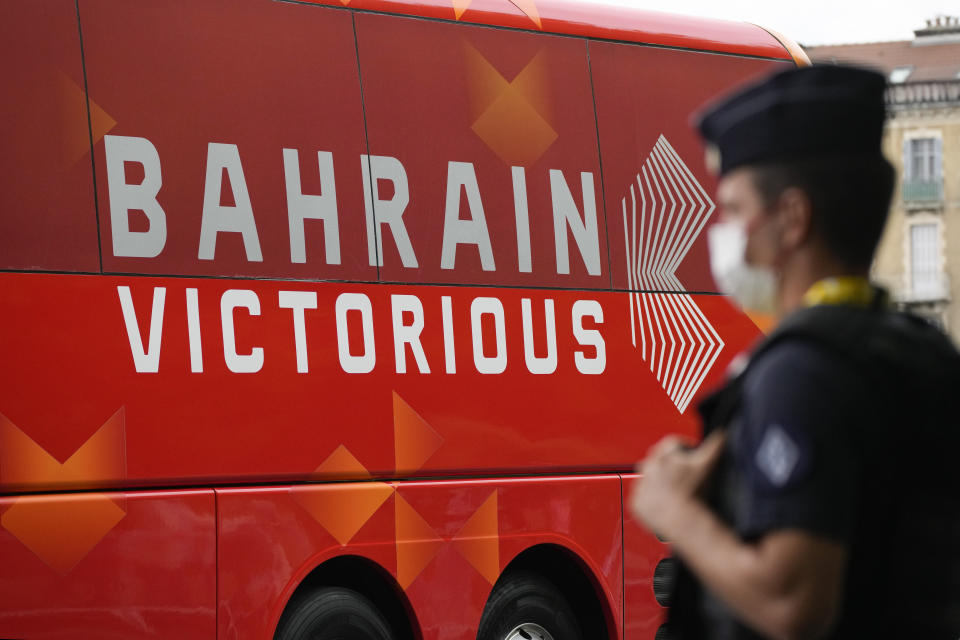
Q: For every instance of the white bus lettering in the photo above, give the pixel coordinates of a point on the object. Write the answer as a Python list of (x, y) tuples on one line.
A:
[(216, 218), (125, 197)]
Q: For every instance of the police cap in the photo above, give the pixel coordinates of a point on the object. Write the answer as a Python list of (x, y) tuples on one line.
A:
[(802, 112)]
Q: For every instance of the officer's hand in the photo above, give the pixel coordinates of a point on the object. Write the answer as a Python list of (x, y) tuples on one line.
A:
[(673, 474)]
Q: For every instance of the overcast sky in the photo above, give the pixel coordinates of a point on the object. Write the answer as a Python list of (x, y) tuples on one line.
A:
[(813, 22)]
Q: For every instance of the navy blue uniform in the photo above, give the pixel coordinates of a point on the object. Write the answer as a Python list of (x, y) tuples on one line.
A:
[(828, 434), (791, 456)]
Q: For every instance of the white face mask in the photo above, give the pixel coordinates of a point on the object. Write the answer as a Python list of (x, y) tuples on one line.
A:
[(753, 288)]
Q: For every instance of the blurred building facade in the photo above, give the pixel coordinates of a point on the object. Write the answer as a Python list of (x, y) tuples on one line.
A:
[(919, 255)]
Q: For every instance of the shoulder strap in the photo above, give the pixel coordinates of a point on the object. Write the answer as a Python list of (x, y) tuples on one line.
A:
[(834, 328)]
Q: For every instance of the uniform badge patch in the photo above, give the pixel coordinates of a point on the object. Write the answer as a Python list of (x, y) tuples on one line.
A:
[(777, 456)]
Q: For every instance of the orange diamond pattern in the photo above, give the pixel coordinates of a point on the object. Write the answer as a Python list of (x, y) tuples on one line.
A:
[(459, 6), (75, 140), (479, 540), (417, 542), (342, 465), (529, 8), (526, 6), (61, 530), (101, 459), (763, 321), (511, 117), (414, 440), (342, 509)]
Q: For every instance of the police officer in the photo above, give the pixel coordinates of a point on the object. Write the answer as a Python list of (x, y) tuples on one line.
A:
[(822, 501)]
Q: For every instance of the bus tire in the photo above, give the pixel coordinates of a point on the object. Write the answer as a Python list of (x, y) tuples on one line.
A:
[(526, 606), (333, 613)]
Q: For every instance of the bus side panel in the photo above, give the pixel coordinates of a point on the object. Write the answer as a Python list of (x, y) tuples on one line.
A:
[(621, 22), (642, 552), (271, 538), (444, 543), (47, 216), (249, 114), (108, 565), (582, 514), (496, 134), (659, 194), (111, 362)]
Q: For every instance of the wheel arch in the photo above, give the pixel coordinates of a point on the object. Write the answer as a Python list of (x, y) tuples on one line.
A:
[(368, 578), (578, 582)]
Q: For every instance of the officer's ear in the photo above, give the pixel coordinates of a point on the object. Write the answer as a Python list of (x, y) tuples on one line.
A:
[(795, 215)]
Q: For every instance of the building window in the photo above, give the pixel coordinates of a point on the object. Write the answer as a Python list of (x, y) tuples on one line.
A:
[(925, 277), (922, 169), (923, 158), (900, 74)]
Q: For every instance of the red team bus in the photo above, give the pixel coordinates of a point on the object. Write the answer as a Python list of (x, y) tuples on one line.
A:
[(350, 318)]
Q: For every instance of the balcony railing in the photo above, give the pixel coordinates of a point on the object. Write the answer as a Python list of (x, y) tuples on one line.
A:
[(922, 191), (923, 94)]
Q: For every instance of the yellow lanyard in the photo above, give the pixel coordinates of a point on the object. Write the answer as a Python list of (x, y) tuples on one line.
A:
[(848, 290)]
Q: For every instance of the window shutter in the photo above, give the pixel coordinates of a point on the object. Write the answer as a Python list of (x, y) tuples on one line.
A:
[(924, 259), (937, 158), (907, 161)]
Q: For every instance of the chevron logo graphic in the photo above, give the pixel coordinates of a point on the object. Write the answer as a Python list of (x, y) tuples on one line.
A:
[(667, 210)]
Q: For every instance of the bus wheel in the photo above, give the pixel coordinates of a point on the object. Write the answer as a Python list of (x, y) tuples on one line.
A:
[(333, 613), (526, 606)]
